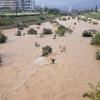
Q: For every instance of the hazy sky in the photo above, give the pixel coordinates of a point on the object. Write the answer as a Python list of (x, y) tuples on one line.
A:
[(64, 3)]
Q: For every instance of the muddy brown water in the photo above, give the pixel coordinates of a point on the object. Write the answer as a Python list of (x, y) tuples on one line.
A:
[(23, 79)]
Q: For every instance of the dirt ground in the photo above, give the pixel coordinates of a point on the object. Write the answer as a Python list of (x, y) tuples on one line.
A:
[(25, 75)]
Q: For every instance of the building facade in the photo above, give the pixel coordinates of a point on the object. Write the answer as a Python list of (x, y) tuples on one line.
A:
[(8, 4), (24, 5)]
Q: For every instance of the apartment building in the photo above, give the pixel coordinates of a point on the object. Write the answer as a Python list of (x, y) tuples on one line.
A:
[(25, 5), (20, 4), (8, 4)]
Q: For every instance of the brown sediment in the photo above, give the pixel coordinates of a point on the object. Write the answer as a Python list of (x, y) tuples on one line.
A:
[(24, 77)]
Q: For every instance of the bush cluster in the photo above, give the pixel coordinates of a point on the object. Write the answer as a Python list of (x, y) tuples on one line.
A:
[(6, 21), (94, 94), (69, 30), (42, 18), (60, 18), (87, 34), (38, 23), (64, 18), (32, 31), (68, 18), (25, 26), (18, 33), (85, 19), (47, 31), (61, 31), (75, 23), (98, 55), (3, 38), (46, 50), (20, 26), (73, 17), (0, 59), (94, 23), (78, 18), (96, 39)]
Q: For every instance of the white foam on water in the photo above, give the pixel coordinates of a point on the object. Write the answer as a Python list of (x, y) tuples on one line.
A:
[(41, 61)]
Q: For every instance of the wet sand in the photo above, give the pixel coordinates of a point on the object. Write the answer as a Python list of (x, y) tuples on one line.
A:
[(23, 77)]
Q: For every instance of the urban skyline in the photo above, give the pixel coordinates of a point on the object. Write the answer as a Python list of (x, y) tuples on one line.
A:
[(31, 4), (8, 3), (20, 4)]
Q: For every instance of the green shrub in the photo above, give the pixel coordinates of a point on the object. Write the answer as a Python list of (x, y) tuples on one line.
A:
[(36, 44), (20, 26), (46, 50), (69, 30), (0, 32), (74, 23), (25, 25), (61, 31), (0, 60), (3, 38), (38, 23), (42, 18), (78, 18), (85, 19), (6, 21), (64, 18), (98, 55), (61, 27), (94, 23), (96, 39), (68, 18), (18, 33), (60, 18), (94, 94), (87, 34), (73, 17), (47, 31), (51, 21), (89, 20), (32, 31), (54, 21)]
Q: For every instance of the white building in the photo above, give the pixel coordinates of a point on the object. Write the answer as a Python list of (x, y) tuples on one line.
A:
[(26, 4), (8, 4), (20, 4)]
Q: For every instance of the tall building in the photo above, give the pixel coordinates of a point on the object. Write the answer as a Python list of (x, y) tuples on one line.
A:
[(26, 5), (33, 4), (8, 4)]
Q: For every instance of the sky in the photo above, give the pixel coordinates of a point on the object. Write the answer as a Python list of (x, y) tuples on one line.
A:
[(63, 4)]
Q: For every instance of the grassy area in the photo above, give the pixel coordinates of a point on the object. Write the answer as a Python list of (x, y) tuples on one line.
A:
[(93, 15), (95, 93), (9, 20), (61, 31), (18, 13), (96, 39)]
